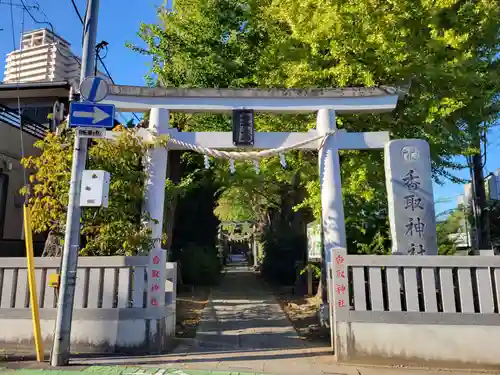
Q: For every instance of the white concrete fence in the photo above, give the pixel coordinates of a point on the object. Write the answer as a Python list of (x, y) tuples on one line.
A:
[(416, 309), (110, 310)]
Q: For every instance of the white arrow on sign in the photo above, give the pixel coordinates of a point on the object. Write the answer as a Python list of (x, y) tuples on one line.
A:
[(97, 115)]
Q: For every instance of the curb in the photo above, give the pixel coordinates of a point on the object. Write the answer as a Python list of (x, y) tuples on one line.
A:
[(121, 370)]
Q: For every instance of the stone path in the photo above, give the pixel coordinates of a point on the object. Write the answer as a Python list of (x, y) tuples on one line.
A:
[(243, 315)]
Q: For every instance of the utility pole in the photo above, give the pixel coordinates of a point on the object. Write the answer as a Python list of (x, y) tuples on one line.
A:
[(481, 215), (62, 333)]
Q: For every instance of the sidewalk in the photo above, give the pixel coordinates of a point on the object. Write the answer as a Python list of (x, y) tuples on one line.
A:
[(243, 330)]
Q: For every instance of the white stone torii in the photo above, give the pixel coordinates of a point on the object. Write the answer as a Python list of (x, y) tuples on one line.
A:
[(326, 102)]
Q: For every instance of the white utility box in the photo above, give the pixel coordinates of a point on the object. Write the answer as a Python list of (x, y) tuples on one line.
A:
[(95, 189)]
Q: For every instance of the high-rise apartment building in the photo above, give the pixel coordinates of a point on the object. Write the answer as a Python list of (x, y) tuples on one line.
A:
[(43, 56)]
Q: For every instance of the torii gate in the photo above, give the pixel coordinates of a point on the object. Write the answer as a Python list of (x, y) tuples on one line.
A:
[(326, 102)]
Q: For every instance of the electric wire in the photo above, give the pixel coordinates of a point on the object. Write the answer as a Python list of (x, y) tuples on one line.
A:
[(53, 32), (98, 57), (18, 68), (38, 8), (14, 5), (47, 22)]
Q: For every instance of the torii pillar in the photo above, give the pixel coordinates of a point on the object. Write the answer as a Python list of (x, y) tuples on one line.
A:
[(332, 206)]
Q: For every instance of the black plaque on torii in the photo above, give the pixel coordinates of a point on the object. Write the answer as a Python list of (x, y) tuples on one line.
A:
[(243, 127)]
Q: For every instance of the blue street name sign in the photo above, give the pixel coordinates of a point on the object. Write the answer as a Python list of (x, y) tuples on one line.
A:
[(91, 115)]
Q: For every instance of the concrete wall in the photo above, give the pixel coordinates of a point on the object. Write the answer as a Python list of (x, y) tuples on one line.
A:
[(96, 331), (433, 344), (425, 310), (108, 311)]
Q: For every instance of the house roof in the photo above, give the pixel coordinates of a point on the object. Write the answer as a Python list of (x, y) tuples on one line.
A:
[(34, 89)]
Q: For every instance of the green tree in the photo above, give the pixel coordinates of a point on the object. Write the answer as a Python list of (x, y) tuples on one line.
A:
[(120, 229), (444, 51), (447, 230)]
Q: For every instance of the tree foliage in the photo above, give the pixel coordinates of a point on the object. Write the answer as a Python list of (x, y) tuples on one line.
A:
[(120, 229), (444, 52), (448, 229)]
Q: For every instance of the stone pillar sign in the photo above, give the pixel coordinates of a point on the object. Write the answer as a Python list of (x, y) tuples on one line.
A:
[(157, 277), (411, 200)]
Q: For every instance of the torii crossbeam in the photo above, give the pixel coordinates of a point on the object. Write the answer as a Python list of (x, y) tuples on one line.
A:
[(326, 102)]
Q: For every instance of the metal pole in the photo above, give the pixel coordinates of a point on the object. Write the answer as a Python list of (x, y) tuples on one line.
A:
[(30, 257), (62, 333), (475, 243), (466, 219), (480, 201)]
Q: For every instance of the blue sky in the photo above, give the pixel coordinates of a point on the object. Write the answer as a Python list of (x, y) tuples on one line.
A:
[(118, 23)]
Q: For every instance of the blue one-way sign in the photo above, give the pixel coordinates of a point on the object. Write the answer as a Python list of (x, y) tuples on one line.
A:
[(91, 115)]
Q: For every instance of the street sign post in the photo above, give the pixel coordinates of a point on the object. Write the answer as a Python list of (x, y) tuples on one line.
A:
[(94, 89), (69, 260), (91, 115)]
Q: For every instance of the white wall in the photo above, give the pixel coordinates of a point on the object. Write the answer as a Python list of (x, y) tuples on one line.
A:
[(422, 343)]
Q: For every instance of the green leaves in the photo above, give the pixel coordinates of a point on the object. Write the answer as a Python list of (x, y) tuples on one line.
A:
[(445, 51), (49, 184), (313, 268), (455, 223), (120, 229)]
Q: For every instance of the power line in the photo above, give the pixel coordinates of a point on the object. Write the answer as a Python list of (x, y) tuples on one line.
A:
[(12, 4), (27, 230), (76, 10), (51, 28), (21, 135), (38, 8), (47, 22), (99, 57)]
